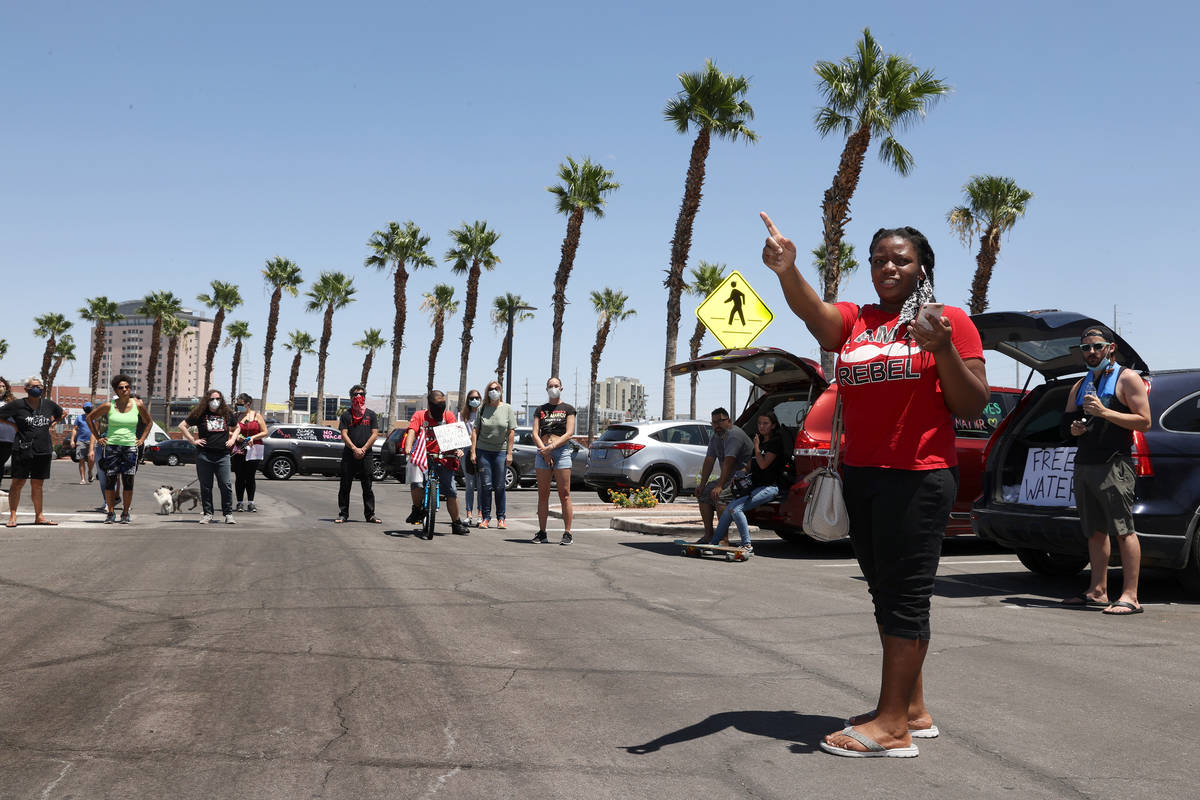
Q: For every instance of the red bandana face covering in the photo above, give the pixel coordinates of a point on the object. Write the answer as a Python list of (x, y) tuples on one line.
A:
[(357, 406)]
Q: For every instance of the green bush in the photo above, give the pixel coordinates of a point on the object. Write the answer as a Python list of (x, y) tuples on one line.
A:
[(638, 498)]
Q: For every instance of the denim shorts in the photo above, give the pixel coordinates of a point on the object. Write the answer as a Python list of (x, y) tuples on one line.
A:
[(561, 456)]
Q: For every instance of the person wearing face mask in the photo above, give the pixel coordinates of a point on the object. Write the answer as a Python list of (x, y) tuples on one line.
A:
[(469, 415), (126, 423), (553, 427), (904, 371), (424, 421), (216, 434), (8, 431), (492, 449), (730, 450), (247, 453), (1104, 408), (360, 428), (32, 449)]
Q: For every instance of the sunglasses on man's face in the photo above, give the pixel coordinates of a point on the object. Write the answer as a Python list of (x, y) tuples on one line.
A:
[(1094, 348), (124, 386), (359, 394)]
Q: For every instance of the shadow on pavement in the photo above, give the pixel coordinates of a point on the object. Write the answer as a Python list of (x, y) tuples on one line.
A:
[(805, 731)]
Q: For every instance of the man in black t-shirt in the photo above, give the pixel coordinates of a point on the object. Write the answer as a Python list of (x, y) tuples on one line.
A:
[(32, 450), (360, 428)]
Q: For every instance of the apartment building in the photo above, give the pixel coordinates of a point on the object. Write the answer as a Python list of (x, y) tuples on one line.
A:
[(127, 350)]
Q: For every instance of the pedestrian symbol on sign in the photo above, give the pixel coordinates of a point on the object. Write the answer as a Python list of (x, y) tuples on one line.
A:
[(737, 298)]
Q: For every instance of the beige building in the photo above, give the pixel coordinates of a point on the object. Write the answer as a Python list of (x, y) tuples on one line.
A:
[(127, 350), (626, 395)]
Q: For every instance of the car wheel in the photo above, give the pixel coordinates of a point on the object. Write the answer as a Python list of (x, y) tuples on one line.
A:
[(172, 460), (378, 470), (603, 495), (663, 485), (1054, 565), (511, 479), (281, 468), (792, 535)]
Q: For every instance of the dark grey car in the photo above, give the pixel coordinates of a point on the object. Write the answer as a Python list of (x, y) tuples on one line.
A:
[(309, 450), (524, 452)]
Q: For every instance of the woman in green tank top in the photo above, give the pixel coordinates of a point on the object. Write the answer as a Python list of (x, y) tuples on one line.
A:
[(120, 442)]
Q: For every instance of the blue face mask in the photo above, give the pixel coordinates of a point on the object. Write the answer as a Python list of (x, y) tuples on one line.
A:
[(473, 402), (241, 408), (35, 391), (1103, 365)]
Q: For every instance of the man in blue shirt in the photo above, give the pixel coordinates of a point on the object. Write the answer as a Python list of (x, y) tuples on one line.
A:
[(81, 442)]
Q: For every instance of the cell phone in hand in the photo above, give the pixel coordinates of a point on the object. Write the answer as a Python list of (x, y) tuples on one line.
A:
[(929, 316)]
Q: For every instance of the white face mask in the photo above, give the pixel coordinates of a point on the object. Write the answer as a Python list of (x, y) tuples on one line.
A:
[(214, 404), (554, 392), (473, 402), (493, 395)]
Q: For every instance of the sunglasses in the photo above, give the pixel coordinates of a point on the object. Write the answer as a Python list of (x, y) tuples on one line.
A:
[(359, 394), (125, 386), (1094, 348)]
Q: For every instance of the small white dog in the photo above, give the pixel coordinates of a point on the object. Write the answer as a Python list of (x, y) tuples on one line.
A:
[(163, 496)]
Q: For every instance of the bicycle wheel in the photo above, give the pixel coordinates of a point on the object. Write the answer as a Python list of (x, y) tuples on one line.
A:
[(431, 505)]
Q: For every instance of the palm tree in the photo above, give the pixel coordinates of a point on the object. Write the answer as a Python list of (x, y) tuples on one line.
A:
[(302, 343), (159, 306), (372, 340), (994, 204), (705, 279), (715, 104), (867, 94), (610, 309), (64, 350), (847, 263), (400, 247), (237, 332), (172, 328), (99, 311), (472, 253), (583, 188), (50, 326), (224, 298), (284, 276), (332, 291), (440, 303), (3, 347), (501, 307)]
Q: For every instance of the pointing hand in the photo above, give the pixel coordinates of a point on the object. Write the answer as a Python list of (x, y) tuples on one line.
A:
[(779, 252)]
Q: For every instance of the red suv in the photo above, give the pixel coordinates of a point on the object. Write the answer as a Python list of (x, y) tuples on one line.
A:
[(796, 390)]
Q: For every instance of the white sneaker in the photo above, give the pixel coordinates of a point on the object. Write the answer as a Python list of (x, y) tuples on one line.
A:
[(229, 520), (205, 519)]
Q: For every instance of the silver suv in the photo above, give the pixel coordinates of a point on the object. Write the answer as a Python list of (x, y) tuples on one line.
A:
[(665, 457)]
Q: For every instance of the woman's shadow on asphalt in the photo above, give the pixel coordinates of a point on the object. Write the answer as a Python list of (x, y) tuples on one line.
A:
[(804, 731)]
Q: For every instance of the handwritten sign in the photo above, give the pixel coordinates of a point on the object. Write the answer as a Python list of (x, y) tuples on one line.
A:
[(452, 436), (1049, 478)]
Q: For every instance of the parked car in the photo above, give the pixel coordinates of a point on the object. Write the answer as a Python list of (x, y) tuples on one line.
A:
[(171, 452), (522, 471), (796, 390), (665, 457), (309, 450), (1048, 538)]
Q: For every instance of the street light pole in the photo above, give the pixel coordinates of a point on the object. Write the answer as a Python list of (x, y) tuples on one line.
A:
[(508, 338)]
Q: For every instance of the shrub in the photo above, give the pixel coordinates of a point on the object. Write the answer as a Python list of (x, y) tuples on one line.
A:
[(638, 498)]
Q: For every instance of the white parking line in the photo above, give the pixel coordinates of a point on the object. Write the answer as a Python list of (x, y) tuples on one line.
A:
[(944, 563)]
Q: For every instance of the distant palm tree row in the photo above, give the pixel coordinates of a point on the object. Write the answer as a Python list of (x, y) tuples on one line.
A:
[(867, 96)]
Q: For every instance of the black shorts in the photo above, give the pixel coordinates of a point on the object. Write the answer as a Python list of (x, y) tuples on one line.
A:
[(897, 523), (33, 468)]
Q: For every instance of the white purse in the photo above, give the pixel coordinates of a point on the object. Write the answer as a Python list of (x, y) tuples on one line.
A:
[(825, 515)]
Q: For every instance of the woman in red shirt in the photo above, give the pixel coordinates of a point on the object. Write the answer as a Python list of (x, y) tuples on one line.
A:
[(902, 381)]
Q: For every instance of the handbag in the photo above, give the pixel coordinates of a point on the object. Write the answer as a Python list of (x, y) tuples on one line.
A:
[(825, 516), (739, 486)]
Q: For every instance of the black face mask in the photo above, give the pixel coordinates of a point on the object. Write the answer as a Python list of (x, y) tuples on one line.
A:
[(437, 408)]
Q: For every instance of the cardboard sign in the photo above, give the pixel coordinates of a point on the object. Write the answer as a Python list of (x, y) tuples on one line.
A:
[(452, 436), (1049, 478)]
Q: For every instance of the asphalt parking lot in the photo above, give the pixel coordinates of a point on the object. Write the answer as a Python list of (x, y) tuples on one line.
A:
[(288, 657)]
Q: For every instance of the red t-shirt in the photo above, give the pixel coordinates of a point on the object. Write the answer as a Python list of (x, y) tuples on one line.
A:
[(894, 412), (422, 418)]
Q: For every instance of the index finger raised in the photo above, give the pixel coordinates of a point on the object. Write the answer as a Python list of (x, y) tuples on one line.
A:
[(770, 225)]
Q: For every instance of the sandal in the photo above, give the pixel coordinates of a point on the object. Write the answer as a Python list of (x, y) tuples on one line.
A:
[(340, 520), (375, 520), (874, 748), (44, 522)]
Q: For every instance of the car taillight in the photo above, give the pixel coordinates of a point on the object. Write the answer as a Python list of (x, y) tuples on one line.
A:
[(1143, 468), (806, 445), (154, 448), (627, 448)]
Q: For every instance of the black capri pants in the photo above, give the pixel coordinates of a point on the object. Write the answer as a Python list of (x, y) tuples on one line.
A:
[(897, 523)]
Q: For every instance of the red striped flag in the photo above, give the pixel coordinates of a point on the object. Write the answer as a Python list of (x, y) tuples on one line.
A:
[(419, 454)]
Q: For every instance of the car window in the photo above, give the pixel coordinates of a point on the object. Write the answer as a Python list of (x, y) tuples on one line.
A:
[(283, 433), (1184, 416), (525, 438), (619, 433), (330, 435), (998, 407)]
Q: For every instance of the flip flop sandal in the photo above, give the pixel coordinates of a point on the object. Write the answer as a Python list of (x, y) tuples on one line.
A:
[(45, 522), (375, 520), (10, 524), (874, 748), (1122, 604), (1081, 600), (932, 732), (340, 520)]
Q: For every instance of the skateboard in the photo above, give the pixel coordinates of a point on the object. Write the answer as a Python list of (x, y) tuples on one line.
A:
[(699, 550)]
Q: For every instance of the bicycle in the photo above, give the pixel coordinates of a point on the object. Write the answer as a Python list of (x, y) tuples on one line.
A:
[(433, 495)]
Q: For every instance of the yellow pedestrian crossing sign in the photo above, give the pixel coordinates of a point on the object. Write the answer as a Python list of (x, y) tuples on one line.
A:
[(734, 313)]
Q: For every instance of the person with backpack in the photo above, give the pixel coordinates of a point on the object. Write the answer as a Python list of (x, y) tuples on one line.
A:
[(768, 460)]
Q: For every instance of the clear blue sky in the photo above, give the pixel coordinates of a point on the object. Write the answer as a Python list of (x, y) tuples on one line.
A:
[(153, 146)]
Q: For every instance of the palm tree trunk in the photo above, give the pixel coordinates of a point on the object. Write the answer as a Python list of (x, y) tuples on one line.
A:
[(681, 246), (213, 342), (54, 372), (152, 365), (269, 344), (835, 213), (694, 351), (400, 300), (322, 354), (502, 364), (570, 247), (366, 370), (468, 324), (237, 362), (438, 331), (169, 390), (985, 262), (597, 351), (292, 378), (47, 358), (97, 355)]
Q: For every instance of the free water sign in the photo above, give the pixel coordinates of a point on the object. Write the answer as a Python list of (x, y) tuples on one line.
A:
[(1049, 478)]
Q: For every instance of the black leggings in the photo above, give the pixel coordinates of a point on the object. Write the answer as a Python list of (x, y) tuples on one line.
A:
[(897, 523), (5, 452), (244, 473)]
